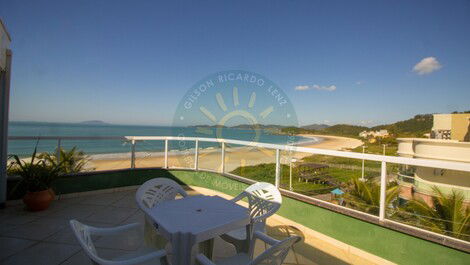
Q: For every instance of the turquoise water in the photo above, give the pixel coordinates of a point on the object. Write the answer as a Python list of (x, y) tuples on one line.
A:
[(26, 147)]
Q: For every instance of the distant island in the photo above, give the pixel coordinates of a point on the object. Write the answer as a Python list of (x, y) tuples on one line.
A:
[(94, 122)]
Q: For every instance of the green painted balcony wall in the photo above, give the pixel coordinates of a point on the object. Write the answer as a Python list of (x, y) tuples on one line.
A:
[(386, 243)]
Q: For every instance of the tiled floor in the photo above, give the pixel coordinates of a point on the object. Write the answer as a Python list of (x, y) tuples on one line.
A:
[(46, 238)]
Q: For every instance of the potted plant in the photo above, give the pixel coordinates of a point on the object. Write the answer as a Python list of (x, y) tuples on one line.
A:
[(36, 178)]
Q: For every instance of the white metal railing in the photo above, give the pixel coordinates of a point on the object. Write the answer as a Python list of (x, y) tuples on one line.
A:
[(459, 166)]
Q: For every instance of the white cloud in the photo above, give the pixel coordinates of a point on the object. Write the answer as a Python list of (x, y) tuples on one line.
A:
[(327, 88), (427, 66), (359, 83), (317, 87), (302, 87)]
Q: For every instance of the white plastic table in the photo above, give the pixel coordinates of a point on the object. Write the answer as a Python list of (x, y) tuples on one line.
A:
[(194, 219)]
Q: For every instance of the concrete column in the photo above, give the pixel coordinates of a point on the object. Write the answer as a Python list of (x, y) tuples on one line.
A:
[(4, 111)]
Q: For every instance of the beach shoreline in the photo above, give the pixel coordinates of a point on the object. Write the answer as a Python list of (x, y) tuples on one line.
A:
[(211, 158), (331, 142)]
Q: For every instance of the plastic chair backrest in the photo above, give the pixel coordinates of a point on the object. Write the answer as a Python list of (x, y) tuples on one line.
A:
[(264, 200), (82, 233), (276, 254), (157, 190)]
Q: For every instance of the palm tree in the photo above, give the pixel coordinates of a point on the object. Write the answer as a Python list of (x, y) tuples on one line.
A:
[(447, 214), (72, 161), (365, 195)]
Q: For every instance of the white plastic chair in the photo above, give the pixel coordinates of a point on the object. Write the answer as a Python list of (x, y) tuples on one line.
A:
[(264, 200), (151, 193), (274, 255), (84, 235)]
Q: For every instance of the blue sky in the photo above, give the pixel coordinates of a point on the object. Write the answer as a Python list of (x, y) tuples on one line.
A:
[(131, 62)]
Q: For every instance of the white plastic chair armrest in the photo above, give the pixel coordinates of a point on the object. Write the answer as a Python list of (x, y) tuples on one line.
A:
[(239, 197), (203, 260), (137, 260), (112, 230), (267, 239), (183, 193)]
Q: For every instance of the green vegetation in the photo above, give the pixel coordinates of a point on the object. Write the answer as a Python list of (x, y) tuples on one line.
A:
[(344, 130), (338, 130), (41, 170), (365, 195), (414, 127), (447, 214), (338, 174), (391, 147), (71, 161), (36, 174), (266, 173)]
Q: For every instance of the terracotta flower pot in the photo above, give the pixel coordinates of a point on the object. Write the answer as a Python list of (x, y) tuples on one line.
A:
[(38, 201)]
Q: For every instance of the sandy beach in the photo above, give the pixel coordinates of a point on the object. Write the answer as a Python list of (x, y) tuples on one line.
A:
[(234, 157), (333, 142)]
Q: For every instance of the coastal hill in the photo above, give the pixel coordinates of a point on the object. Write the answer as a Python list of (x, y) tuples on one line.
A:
[(414, 127), (315, 126)]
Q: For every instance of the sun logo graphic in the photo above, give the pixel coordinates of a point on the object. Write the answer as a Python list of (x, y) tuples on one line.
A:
[(237, 105)]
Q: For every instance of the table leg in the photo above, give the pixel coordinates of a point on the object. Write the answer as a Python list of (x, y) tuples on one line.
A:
[(249, 236), (207, 248), (184, 249)]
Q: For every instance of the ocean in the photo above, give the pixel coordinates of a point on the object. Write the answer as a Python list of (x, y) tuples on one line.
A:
[(115, 147)]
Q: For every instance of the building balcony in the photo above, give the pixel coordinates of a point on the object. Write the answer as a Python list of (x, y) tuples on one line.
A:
[(107, 198), (334, 230)]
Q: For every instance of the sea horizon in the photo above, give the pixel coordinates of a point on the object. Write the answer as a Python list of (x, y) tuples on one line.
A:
[(115, 148)]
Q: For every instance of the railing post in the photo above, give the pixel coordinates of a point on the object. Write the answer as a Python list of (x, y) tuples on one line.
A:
[(133, 153), (222, 166), (383, 189), (196, 155), (166, 153), (362, 170), (58, 150), (278, 168)]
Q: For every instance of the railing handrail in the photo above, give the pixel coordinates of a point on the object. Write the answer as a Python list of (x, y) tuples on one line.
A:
[(460, 166), (67, 138), (379, 158)]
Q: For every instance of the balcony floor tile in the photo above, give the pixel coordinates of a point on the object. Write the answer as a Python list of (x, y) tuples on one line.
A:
[(46, 238), (43, 253)]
